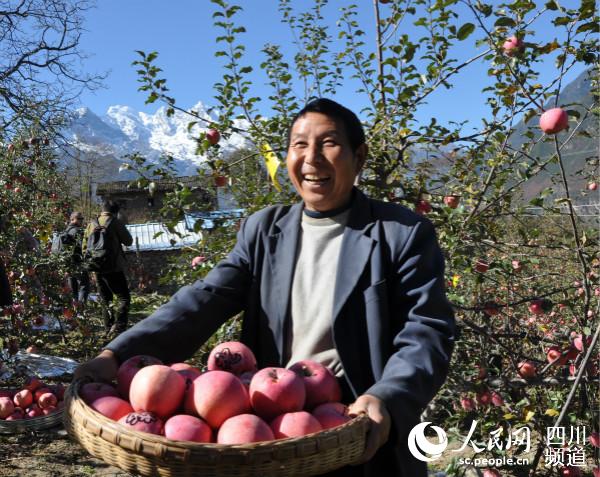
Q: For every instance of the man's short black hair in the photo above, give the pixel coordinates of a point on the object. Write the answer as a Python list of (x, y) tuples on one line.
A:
[(328, 107), (110, 206)]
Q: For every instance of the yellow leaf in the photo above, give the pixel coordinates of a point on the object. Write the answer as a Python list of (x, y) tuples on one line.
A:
[(509, 416), (551, 412), (529, 416), (455, 280), (272, 162)]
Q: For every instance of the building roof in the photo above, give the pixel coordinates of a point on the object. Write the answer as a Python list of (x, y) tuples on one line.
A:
[(210, 219), (145, 237), (104, 188)]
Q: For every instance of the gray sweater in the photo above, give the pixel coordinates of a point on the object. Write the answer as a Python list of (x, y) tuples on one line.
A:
[(309, 334)]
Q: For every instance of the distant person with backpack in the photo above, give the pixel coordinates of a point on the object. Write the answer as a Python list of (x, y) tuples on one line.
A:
[(69, 242), (103, 254)]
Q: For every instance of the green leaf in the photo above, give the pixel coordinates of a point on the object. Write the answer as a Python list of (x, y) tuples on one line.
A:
[(505, 21), (464, 31), (562, 21)]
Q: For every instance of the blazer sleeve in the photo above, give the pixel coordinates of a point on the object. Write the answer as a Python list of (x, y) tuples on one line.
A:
[(177, 329), (423, 346)]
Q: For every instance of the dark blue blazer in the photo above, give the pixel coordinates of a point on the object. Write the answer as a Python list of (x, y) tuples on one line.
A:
[(392, 324)]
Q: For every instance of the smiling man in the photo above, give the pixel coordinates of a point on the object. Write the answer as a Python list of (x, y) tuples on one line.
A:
[(351, 282)]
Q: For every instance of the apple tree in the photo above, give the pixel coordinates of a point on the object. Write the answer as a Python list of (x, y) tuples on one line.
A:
[(507, 195)]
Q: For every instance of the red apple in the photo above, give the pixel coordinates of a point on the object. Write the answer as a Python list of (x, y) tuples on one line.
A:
[(320, 383), (112, 407), (481, 266), (554, 120), (331, 414), (219, 395), (275, 391), (23, 398), (186, 370), (467, 403), (213, 136), (594, 439), (423, 207), (143, 422), (47, 400), (182, 427), (484, 398), (452, 201), (7, 407), (198, 260), (513, 46), (128, 370), (554, 356), (244, 429), (592, 186), (39, 391), (578, 342), (294, 424), (157, 389), (536, 307), (231, 356), (497, 399), (526, 369), (89, 392), (516, 266), (33, 411)]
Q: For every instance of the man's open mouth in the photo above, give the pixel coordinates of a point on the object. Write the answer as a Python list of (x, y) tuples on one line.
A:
[(314, 179)]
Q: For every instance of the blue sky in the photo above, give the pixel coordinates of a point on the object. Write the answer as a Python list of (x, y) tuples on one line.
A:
[(183, 34)]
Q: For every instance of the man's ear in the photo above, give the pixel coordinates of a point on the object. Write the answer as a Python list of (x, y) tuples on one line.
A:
[(361, 156)]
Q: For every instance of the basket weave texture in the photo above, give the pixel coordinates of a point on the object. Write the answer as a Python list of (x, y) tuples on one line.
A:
[(151, 455), (35, 424)]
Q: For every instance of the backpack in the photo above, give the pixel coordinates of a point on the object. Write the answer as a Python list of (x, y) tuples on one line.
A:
[(60, 242), (101, 254)]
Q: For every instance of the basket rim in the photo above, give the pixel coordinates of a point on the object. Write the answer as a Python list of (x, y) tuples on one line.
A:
[(91, 416), (32, 423)]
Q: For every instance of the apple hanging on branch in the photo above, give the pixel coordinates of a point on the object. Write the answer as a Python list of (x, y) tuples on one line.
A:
[(554, 120), (513, 46), (213, 136)]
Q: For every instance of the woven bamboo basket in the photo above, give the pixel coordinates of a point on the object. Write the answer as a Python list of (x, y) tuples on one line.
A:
[(151, 455), (34, 424)]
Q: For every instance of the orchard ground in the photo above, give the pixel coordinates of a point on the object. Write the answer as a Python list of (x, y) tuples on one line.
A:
[(51, 453)]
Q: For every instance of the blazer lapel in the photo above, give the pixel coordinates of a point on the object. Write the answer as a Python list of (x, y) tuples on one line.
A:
[(355, 252), (282, 260)]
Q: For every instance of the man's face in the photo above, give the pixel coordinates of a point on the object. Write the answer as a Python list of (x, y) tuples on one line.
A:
[(321, 163), (77, 220)]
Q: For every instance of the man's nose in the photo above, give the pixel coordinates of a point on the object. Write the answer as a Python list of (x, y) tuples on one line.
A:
[(313, 154)]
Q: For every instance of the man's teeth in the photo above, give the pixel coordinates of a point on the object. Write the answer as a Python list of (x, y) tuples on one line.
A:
[(312, 178)]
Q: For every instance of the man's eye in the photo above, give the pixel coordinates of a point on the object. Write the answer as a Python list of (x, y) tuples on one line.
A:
[(329, 143), (299, 144)]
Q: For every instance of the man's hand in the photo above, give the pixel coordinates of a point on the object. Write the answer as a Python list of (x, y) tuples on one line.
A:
[(103, 367), (379, 430)]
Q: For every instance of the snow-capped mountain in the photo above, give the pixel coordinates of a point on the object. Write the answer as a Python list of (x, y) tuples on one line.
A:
[(123, 130)]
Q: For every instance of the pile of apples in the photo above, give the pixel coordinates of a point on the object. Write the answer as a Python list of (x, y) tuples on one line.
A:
[(34, 399), (233, 402)]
